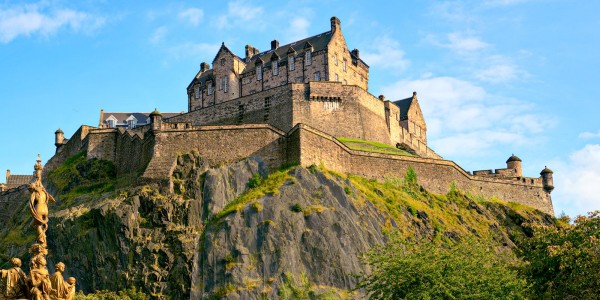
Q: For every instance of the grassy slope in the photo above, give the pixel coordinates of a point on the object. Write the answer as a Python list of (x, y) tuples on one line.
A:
[(369, 146)]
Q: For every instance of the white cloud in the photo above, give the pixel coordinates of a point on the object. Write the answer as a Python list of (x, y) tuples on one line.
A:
[(158, 35), (298, 29), (502, 2), (464, 120), (458, 42), (589, 135), (385, 52), (500, 69), (27, 20), (576, 181), (241, 13), (192, 16)]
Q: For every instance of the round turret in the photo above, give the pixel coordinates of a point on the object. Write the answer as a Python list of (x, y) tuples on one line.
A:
[(156, 119), (59, 137), (514, 163), (547, 180)]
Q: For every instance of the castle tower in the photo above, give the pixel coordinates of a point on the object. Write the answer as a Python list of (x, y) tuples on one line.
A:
[(547, 179), (156, 119), (7, 175), (514, 163)]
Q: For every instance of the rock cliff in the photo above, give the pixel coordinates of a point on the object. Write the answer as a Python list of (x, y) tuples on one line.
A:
[(241, 231)]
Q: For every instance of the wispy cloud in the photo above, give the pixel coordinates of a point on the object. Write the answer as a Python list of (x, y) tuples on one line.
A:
[(498, 69), (589, 135), (464, 120), (385, 53), (241, 13), (298, 29), (158, 35), (458, 42), (576, 180), (191, 16), (27, 20)]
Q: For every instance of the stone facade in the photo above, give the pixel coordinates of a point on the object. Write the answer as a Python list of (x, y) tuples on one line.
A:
[(272, 105)]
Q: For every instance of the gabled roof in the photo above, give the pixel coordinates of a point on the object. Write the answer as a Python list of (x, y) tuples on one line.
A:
[(226, 50), (142, 118), (404, 105), (317, 42), (14, 181), (202, 78)]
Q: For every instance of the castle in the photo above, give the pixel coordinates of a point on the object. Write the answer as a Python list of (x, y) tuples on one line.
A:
[(306, 102)]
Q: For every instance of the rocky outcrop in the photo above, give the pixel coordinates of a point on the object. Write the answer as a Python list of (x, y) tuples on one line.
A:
[(241, 231)]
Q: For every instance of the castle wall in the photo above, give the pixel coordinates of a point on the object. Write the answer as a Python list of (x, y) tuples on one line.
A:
[(435, 175), (76, 144), (338, 53), (273, 106), (217, 145)]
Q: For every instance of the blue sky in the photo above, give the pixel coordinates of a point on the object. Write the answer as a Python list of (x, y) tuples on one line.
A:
[(493, 77)]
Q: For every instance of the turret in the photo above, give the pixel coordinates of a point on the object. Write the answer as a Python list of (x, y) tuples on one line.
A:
[(514, 163), (59, 138), (156, 119), (547, 179), (7, 175)]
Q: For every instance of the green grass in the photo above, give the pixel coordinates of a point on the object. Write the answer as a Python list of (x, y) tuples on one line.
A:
[(370, 146)]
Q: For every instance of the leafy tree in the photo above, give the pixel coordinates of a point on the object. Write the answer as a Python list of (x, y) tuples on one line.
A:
[(563, 261), (427, 270)]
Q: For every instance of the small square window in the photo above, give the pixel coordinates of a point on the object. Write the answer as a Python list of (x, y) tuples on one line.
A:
[(317, 76)]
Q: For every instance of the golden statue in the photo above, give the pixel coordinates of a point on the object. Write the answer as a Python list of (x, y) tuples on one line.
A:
[(39, 280), (13, 281), (38, 203), (60, 287)]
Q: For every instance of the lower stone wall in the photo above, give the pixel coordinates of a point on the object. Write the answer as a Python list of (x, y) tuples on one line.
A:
[(216, 145), (435, 175)]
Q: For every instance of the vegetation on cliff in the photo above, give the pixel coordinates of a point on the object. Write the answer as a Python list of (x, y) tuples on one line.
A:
[(296, 233)]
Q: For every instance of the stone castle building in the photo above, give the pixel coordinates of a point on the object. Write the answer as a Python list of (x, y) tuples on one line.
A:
[(296, 103)]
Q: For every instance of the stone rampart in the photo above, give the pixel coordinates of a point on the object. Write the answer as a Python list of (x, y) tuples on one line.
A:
[(76, 143), (436, 175)]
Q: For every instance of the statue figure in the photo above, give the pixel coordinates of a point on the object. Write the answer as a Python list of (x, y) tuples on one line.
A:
[(59, 286), (38, 203), (71, 288), (39, 279), (13, 281)]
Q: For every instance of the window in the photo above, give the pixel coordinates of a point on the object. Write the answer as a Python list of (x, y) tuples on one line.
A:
[(299, 79), (291, 63), (221, 84), (317, 76), (308, 57), (275, 68), (197, 91), (225, 84), (344, 65), (345, 82), (131, 123), (209, 88), (335, 59), (258, 72), (111, 123), (222, 61), (337, 78)]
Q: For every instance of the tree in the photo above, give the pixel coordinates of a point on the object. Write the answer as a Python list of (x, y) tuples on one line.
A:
[(427, 270), (563, 261)]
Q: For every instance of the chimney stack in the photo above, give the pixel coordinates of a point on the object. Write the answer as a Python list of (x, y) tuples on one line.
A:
[(204, 67), (274, 44), (335, 24), (7, 175), (356, 53), (382, 97), (250, 51)]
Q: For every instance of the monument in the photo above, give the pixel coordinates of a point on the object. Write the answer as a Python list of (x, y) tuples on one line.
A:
[(38, 285)]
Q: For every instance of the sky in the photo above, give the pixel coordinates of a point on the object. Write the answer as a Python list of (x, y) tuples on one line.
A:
[(493, 77)]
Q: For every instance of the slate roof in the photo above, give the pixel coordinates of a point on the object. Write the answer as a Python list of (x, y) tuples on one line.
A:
[(404, 105), (318, 42), (14, 181), (142, 118), (203, 78)]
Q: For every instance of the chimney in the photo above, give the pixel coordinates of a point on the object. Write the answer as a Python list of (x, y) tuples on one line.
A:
[(356, 53), (251, 51), (7, 175), (381, 97), (204, 67), (274, 44), (101, 123), (335, 24)]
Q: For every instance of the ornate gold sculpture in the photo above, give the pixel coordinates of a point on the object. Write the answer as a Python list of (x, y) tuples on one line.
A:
[(38, 285)]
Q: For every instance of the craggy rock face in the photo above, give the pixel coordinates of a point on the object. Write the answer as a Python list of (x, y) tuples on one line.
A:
[(233, 231)]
